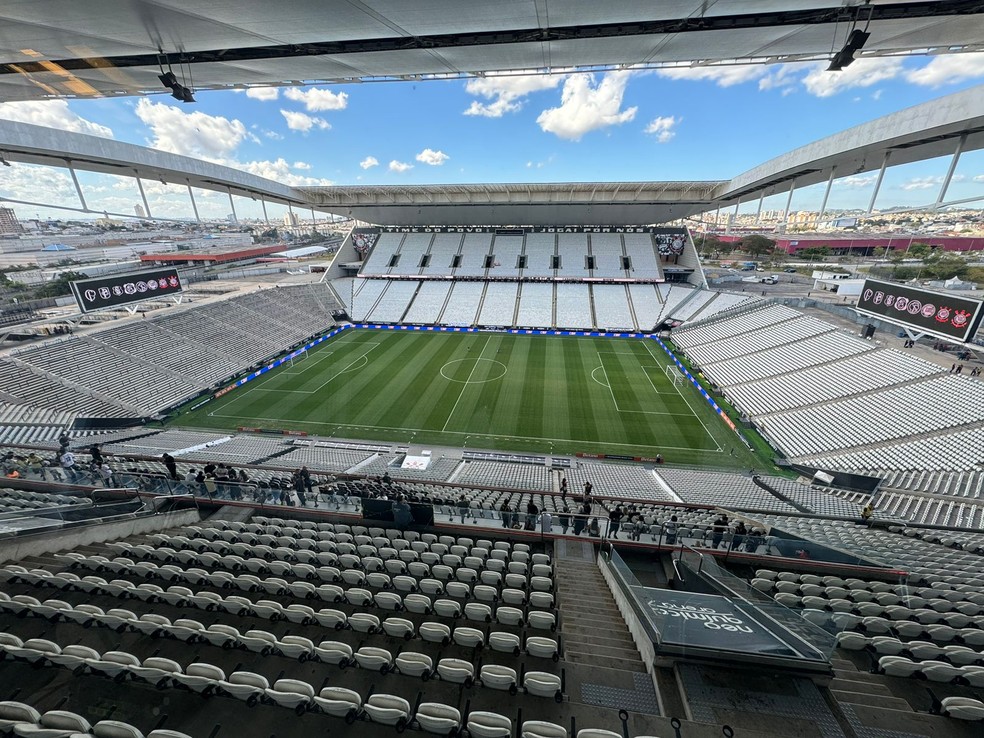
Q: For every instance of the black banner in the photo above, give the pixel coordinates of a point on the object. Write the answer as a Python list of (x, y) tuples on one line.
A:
[(123, 289), (956, 318)]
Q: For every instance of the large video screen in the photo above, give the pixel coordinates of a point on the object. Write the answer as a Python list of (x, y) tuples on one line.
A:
[(934, 312), (122, 289)]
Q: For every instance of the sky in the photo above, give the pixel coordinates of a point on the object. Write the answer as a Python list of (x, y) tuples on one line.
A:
[(670, 124)]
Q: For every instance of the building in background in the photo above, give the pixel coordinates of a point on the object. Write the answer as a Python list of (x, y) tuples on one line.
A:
[(9, 222)]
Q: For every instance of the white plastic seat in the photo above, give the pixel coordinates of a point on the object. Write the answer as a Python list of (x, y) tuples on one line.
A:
[(358, 597), (505, 642), (447, 608), (339, 701), (417, 603), (495, 676), (542, 620), (545, 648), (334, 652), (457, 671), (388, 601), (375, 659), (398, 628), (897, 666), (292, 694), (387, 709), (412, 663), (364, 622), (542, 729), (512, 596), (483, 724), (478, 611), (963, 708), (246, 686), (542, 684), (201, 677), (509, 615), (14, 713), (434, 632), (438, 718), (157, 671), (469, 637)]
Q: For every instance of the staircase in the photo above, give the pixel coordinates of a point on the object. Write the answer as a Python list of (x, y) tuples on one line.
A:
[(592, 629)]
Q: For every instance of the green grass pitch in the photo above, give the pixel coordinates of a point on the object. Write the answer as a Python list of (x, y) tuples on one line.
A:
[(535, 394)]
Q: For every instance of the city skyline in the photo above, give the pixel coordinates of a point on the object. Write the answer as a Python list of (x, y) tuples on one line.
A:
[(669, 124)]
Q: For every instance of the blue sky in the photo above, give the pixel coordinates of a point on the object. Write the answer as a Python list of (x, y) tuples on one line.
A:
[(710, 123)]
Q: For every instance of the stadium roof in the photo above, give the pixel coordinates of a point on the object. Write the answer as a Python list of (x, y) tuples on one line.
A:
[(60, 48)]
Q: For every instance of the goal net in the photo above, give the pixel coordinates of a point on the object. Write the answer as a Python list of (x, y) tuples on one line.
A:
[(674, 375)]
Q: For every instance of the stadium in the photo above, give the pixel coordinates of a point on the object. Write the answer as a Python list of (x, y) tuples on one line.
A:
[(508, 463)]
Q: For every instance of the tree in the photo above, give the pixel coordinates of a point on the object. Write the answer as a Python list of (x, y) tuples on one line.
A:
[(814, 253), (59, 286), (919, 251), (756, 245)]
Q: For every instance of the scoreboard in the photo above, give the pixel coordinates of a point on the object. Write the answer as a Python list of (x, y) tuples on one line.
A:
[(123, 289), (926, 311)]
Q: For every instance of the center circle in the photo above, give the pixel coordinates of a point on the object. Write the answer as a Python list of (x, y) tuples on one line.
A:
[(463, 371)]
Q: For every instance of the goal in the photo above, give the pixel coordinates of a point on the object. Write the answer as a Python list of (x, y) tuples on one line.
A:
[(674, 375)]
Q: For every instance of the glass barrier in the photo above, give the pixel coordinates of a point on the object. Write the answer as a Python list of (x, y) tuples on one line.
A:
[(815, 627)]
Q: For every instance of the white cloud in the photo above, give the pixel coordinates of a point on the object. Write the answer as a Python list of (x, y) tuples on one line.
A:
[(195, 134), (585, 107), (506, 93), (316, 99), (432, 158), (781, 77), (856, 182), (979, 178), (303, 122), (273, 135), (721, 76), (862, 73), (263, 93), (928, 183), (368, 162), (279, 171), (662, 127), (52, 114), (300, 165), (399, 166), (948, 69), (213, 138)]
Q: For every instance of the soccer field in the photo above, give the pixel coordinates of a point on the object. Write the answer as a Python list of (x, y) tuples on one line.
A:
[(538, 394)]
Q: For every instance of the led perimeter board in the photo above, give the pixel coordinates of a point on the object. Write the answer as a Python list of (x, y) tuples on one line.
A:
[(122, 289), (956, 318)]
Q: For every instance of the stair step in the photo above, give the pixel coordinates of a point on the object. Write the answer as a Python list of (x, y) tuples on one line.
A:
[(582, 635), (872, 700), (854, 685), (606, 661)]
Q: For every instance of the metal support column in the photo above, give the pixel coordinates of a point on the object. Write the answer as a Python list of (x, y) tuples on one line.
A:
[(878, 182), (233, 206), (826, 194), (143, 195), (758, 213), (263, 203), (789, 202), (953, 167), (78, 188), (194, 205)]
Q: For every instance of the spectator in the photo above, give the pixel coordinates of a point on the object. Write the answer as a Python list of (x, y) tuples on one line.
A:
[(532, 511), (506, 512), (170, 465), (106, 475), (96, 454), (565, 519), (463, 507), (670, 528), (719, 528), (739, 536), (402, 514), (35, 464), (593, 529), (867, 513), (67, 461), (614, 521)]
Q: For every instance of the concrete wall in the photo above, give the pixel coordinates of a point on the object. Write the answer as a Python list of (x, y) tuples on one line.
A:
[(15, 549)]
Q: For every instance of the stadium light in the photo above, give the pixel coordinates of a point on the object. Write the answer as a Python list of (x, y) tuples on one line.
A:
[(845, 56), (168, 79)]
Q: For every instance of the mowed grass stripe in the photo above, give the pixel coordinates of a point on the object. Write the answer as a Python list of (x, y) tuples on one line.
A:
[(546, 400)]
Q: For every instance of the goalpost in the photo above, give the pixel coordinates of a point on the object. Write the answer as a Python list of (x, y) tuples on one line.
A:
[(674, 375)]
